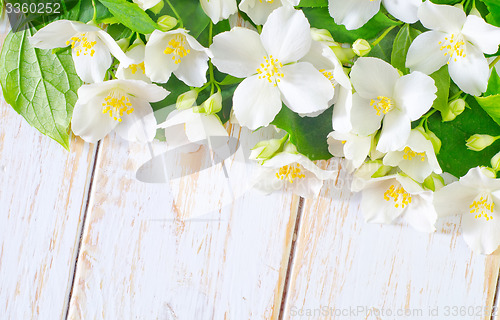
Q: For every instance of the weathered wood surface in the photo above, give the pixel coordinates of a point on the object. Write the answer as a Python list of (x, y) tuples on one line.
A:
[(147, 253), (43, 191), (341, 263)]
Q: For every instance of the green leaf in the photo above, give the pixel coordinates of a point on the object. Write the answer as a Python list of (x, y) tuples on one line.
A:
[(454, 156), (130, 15), (402, 43), (493, 84), (39, 85), (313, 3), (308, 134), (442, 82), (494, 8), (491, 105), (320, 18), (230, 80), (383, 49)]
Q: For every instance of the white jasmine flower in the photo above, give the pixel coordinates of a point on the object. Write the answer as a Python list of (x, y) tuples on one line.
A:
[(146, 4), (476, 196), (122, 105), (176, 52), (353, 14), (322, 57), (259, 10), (456, 40), (387, 198), (351, 146), (187, 126), (267, 63), (382, 94), (219, 10), (136, 70), (417, 158), (294, 171), (91, 47)]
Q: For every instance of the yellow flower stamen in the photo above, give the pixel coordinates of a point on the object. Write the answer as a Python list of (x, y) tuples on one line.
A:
[(410, 154), (482, 207), (453, 47), (178, 48), (266, 1), (329, 76), (134, 67), (271, 70), (116, 104), (81, 44), (399, 195), (290, 173), (382, 104)]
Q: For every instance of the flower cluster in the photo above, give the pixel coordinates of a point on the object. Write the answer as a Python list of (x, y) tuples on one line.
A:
[(408, 94)]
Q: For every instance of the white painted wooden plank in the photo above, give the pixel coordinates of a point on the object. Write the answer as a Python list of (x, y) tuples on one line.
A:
[(342, 263), (148, 254), (43, 191)]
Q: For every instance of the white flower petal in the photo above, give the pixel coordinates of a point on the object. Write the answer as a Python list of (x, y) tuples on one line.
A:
[(477, 179), (53, 35), (158, 65), (305, 89), (286, 35), (238, 52), (441, 17), (483, 35), (372, 77), (113, 47), (92, 68), (453, 199), (336, 141), (364, 118), (140, 89), (140, 125), (470, 73), (414, 93), (421, 214), (256, 102), (395, 131), (357, 149), (341, 117), (481, 235), (193, 69), (89, 122), (218, 9), (404, 10), (425, 53), (353, 14), (373, 205), (258, 11)]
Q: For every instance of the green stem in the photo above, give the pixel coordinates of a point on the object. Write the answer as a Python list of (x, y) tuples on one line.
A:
[(383, 35), (210, 65), (492, 64), (456, 95), (95, 12), (181, 24)]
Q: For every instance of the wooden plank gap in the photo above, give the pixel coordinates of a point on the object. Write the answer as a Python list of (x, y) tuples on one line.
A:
[(86, 209), (291, 259), (496, 301)]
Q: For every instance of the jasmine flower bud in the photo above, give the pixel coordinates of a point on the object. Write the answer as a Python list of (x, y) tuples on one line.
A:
[(361, 47), (478, 142)]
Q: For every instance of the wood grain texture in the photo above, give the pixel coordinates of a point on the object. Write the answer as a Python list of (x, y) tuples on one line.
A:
[(181, 250), (342, 262), (43, 190)]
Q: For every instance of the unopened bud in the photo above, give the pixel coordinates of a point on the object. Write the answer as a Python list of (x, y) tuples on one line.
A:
[(345, 55), (321, 35), (478, 142), (361, 47), (455, 108), (213, 104), (166, 22), (265, 150), (123, 44), (495, 162), (186, 100), (434, 182)]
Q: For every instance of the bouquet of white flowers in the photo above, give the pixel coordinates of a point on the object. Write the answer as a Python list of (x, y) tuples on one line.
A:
[(406, 91)]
